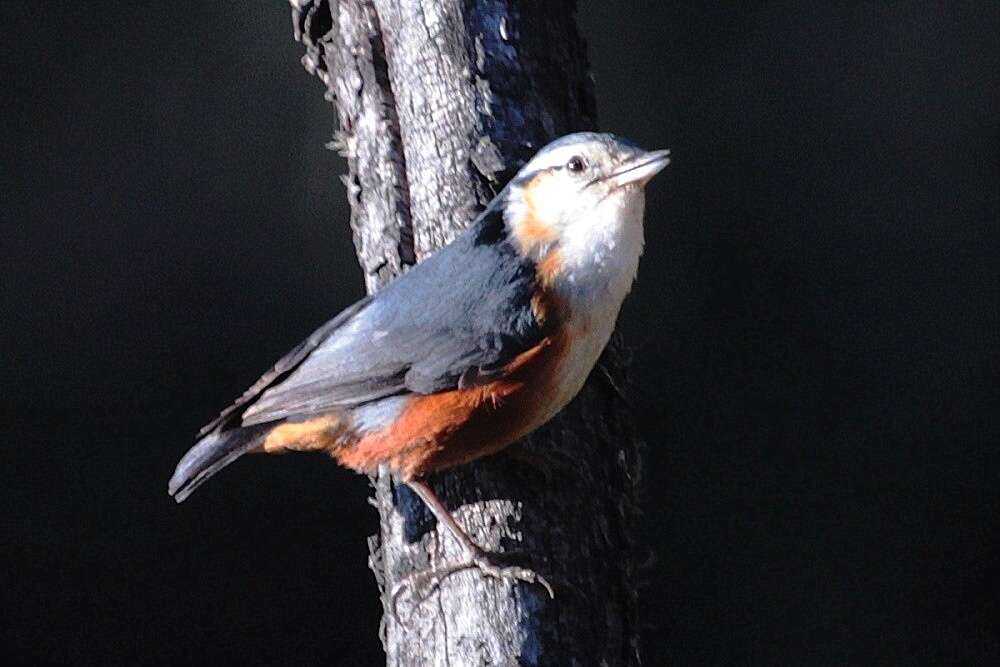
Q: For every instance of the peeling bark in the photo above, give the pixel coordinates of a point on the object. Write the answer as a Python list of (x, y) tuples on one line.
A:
[(439, 103)]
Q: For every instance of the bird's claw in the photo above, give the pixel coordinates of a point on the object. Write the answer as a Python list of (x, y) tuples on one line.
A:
[(423, 583), (509, 573)]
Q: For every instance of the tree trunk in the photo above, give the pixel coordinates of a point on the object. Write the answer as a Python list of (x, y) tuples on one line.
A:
[(439, 103)]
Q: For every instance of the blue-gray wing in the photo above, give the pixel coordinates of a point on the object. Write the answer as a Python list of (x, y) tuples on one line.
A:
[(282, 369), (457, 318)]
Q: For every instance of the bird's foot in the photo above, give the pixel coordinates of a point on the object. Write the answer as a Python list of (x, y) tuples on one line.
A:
[(421, 584), (488, 564)]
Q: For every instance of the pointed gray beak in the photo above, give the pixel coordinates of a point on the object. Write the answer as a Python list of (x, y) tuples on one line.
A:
[(639, 169)]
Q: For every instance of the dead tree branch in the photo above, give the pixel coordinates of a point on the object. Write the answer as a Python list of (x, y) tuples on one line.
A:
[(439, 102)]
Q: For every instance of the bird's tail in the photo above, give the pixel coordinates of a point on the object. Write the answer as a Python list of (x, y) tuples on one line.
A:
[(211, 454)]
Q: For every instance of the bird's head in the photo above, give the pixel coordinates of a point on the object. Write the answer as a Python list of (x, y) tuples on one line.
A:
[(576, 208)]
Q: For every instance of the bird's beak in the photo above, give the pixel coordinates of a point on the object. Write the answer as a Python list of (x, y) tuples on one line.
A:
[(639, 169)]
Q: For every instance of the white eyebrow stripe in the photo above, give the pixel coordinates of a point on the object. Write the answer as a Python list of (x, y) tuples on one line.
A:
[(556, 158)]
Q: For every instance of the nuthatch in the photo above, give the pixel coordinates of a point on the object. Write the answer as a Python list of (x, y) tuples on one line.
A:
[(478, 345)]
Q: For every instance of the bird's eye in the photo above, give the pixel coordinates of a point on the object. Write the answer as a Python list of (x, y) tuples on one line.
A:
[(576, 164)]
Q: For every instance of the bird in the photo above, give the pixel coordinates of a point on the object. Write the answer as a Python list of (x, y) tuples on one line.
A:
[(472, 348)]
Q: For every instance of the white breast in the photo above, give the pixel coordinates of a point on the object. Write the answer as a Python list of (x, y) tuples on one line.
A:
[(600, 264)]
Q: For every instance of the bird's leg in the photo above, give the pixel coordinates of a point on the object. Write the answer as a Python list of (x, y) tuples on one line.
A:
[(474, 557)]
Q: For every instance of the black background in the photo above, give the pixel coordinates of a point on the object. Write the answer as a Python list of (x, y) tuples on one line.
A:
[(815, 328)]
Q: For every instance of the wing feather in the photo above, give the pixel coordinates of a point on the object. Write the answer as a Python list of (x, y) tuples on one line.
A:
[(282, 368), (457, 318)]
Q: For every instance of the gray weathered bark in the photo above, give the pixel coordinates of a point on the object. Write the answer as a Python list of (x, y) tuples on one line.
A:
[(439, 103)]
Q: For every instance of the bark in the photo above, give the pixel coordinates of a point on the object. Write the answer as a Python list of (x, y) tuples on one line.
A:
[(439, 102)]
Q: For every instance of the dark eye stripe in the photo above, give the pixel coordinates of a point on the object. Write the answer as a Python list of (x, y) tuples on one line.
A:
[(524, 179)]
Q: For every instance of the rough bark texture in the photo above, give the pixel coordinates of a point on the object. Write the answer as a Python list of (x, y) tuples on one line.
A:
[(439, 103)]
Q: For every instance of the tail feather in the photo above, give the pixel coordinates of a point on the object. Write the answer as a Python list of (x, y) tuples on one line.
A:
[(211, 454)]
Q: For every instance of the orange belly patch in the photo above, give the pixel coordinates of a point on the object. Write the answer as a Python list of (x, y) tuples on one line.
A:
[(438, 431)]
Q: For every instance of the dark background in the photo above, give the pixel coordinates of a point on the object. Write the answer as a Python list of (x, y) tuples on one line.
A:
[(815, 325)]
